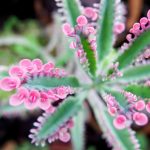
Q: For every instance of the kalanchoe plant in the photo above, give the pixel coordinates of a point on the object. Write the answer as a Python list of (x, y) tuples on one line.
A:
[(117, 81)]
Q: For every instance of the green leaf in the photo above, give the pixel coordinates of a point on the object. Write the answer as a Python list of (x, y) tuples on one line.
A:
[(73, 10), (121, 138), (105, 32), (90, 55), (49, 82), (133, 51), (139, 90), (77, 132), (135, 73), (64, 112)]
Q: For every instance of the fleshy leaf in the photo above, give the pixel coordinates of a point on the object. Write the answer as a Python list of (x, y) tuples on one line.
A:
[(90, 55), (77, 132), (48, 83), (133, 51), (64, 112), (135, 73), (119, 139), (139, 90), (105, 33), (72, 10)]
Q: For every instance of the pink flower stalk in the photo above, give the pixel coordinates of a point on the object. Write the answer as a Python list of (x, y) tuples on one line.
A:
[(28, 70), (61, 133)]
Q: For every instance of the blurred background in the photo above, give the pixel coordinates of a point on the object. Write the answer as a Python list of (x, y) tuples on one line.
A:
[(32, 29)]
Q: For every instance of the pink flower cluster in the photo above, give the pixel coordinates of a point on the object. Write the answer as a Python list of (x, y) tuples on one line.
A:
[(61, 133), (137, 29), (133, 111), (84, 29), (32, 98)]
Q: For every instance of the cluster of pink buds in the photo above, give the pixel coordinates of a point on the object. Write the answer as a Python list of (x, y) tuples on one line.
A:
[(83, 30), (61, 133), (137, 29), (133, 111), (26, 71), (116, 72)]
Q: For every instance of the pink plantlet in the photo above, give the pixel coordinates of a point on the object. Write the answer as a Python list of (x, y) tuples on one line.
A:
[(119, 28), (44, 102), (120, 122), (18, 98), (26, 64), (9, 83), (148, 107), (91, 13), (61, 92), (32, 101), (64, 136), (67, 29), (37, 64), (140, 105), (112, 111), (140, 118), (82, 21), (48, 67), (17, 71), (72, 45)]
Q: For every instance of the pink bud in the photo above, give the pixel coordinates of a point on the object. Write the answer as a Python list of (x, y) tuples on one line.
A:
[(72, 45), (44, 101), (37, 63), (140, 105), (47, 67), (90, 13), (19, 97), (112, 111), (32, 101), (9, 83), (61, 92), (148, 107), (67, 29), (140, 118), (26, 64), (148, 14), (16, 71), (81, 21), (120, 122), (119, 28), (64, 137), (91, 30), (51, 109)]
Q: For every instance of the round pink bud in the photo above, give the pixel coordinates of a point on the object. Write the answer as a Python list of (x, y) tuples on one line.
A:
[(82, 21), (72, 45), (9, 83), (67, 29), (64, 137), (19, 97), (112, 111), (120, 122), (16, 71), (119, 28), (37, 63), (26, 64), (32, 101), (140, 105), (140, 118), (144, 21), (44, 101), (61, 92), (47, 67), (148, 14), (148, 107), (90, 13)]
